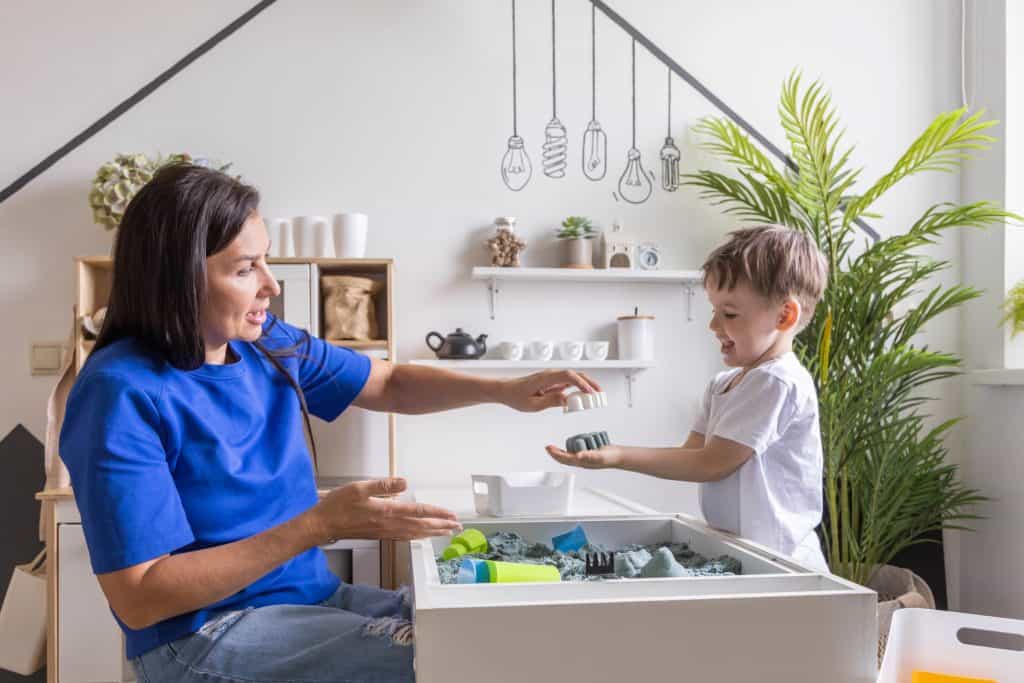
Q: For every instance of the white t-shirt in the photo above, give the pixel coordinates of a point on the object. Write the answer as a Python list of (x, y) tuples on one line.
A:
[(775, 498)]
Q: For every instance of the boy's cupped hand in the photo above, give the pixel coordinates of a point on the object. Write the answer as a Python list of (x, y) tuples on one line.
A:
[(600, 458)]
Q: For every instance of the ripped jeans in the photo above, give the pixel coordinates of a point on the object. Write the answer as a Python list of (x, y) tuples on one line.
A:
[(359, 635)]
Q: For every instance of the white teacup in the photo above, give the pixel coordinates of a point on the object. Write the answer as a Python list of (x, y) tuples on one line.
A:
[(511, 350), (542, 350), (596, 350), (570, 350)]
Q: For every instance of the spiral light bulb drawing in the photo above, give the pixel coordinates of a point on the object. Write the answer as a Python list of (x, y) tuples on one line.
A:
[(556, 143)]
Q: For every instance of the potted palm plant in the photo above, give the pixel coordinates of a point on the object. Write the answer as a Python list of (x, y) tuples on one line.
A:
[(577, 233), (887, 483)]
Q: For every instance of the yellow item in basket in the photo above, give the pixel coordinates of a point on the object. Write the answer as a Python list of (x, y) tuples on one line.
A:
[(928, 677)]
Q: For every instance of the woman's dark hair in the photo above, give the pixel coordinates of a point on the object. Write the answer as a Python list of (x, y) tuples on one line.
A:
[(185, 214)]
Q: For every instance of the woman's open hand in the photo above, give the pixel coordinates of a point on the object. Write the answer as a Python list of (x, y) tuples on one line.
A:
[(363, 509), (545, 389)]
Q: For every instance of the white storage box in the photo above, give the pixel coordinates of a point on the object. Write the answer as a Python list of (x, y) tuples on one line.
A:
[(954, 644), (523, 493), (777, 623)]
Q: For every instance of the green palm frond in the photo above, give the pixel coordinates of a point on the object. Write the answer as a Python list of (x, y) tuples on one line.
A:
[(810, 123), (728, 142), (941, 147), (746, 198)]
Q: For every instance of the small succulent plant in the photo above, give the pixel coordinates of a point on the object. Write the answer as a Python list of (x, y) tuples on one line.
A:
[(576, 227), (117, 181)]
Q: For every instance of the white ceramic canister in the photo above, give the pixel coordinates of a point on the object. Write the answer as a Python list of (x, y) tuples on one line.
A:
[(636, 337)]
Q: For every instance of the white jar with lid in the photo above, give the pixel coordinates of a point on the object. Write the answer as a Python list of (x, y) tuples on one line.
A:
[(636, 337)]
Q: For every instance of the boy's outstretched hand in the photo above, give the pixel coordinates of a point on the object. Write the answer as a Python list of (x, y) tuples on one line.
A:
[(601, 458)]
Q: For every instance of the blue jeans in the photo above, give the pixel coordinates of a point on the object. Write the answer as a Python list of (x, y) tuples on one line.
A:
[(360, 634)]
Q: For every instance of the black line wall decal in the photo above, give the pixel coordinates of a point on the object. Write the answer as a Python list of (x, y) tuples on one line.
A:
[(131, 101)]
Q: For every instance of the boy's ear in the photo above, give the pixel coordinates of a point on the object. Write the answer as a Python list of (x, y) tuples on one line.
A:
[(789, 316)]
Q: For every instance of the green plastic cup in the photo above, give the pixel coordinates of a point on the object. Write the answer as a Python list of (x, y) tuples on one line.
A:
[(469, 541), (519, 572)]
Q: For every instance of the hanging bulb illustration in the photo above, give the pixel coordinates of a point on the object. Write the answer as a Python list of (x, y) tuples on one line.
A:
[(556, 141), (516, 168), (635, 186), (555, 146), (670, 166), (669, 152), (595, 142), (595, 151)]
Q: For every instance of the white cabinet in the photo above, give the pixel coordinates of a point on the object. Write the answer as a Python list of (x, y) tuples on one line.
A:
[(91, 643), (86, 644)]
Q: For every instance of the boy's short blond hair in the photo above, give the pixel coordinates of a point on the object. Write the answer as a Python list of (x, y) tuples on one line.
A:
[(777, 262)]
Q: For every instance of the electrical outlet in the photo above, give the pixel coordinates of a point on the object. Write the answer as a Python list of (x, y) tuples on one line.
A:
[(46, 358)]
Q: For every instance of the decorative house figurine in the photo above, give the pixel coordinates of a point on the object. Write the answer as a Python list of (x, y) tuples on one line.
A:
[(619, 249), (505, 246)]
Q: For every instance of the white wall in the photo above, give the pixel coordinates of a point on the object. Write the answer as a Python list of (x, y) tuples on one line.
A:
[(402, 110), (992, 558)]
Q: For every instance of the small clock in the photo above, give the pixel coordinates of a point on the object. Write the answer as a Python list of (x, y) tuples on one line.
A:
[(648, 256)]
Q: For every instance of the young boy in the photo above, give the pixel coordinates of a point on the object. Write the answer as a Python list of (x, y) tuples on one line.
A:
[(755, 447)]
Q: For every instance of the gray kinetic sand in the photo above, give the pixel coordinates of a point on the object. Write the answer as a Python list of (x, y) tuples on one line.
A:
[(506, 546)]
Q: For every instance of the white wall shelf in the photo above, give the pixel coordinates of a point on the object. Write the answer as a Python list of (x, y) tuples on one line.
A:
[(688, 279), (630, 367), (1006, 378)]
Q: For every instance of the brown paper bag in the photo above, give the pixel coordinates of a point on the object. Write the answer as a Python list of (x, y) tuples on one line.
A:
[(350, 311)]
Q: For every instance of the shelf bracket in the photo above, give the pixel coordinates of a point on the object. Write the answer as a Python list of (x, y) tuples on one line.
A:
[(689, 301), (630, 378), (492, 288)]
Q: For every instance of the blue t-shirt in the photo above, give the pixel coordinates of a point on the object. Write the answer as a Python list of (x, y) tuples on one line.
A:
[(169, 461)]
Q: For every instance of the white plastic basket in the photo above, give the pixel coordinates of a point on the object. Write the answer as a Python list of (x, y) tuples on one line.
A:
[(954, 644), (522, 493)]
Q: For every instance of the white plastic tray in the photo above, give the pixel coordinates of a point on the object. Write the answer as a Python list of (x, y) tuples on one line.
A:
[(523, 493)]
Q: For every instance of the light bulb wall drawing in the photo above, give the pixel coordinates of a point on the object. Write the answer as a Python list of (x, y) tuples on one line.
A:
[(595, 142), (595, 151), (516, 168), (556, 143), (669, 152), (556, 146), (635, 186)]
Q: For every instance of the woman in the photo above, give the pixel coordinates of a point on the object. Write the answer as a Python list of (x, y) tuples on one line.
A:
[(184, 439)]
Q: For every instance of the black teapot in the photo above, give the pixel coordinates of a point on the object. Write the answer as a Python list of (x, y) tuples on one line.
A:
[(458, 345)]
